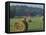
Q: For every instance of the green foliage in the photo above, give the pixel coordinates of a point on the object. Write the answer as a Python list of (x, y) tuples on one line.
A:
[(25, 10)]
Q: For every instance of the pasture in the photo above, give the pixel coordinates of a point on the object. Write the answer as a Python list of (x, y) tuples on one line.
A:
[(36, 24)]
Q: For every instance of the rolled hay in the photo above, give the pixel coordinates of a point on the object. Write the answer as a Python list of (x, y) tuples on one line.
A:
[(20, 26)]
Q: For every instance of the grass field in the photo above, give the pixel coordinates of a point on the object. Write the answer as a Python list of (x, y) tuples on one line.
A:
[(36, 24)]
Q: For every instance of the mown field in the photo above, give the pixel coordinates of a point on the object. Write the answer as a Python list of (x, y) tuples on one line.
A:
[(36, 24)]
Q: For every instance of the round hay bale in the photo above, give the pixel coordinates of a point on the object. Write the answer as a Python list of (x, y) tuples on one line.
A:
[(20, 26)]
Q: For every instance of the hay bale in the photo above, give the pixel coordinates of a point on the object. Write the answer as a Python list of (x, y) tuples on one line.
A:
[(19, 26)]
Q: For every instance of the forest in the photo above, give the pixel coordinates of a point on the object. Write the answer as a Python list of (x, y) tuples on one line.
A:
[(25, 11)]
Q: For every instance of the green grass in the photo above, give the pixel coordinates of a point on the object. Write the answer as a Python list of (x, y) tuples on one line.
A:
[(36, 24)]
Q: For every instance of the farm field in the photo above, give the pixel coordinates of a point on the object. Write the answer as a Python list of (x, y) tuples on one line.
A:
[(36, 24)]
